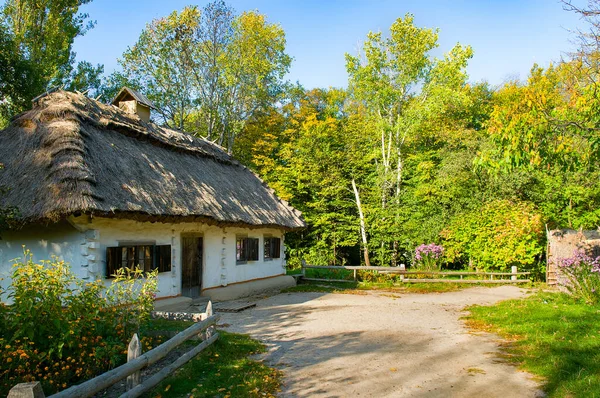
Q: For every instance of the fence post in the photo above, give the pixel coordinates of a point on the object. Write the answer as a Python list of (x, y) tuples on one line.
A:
[(133, 351), (303, 264), (27, 390), (355, 275), (209, 330), (402, 268), (514, 271)]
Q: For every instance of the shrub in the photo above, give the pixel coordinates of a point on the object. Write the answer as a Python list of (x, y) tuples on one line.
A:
[(498, 235), (60, 329), (580, 275), (429, 257)]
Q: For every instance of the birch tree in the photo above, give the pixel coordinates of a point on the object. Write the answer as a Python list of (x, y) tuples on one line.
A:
[(403, 87)]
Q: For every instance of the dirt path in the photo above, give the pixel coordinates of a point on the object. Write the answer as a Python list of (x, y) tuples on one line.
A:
[(382, 345)]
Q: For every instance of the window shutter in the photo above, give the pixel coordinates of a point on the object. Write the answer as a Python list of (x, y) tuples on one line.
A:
[(113, 260), (253, 249), (162, 255), (276, 248)]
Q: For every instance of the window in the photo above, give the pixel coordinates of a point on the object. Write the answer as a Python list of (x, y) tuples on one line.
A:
[(272, 248), (246, 249), (146, 257)]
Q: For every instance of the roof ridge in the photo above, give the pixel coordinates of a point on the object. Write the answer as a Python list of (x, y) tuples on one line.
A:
[(113, 118)]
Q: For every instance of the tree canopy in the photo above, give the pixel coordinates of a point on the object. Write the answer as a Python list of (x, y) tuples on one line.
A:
[(411, 152)]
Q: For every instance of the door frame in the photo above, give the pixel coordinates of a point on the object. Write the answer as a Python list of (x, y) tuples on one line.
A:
[(203, 265)]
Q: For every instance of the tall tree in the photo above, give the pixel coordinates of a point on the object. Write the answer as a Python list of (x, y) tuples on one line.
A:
[(159, 63), (404, 90), (19, 79), (37, 38), (208, 70)]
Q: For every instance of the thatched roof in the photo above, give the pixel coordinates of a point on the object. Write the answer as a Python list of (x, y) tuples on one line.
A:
[(72, 155)]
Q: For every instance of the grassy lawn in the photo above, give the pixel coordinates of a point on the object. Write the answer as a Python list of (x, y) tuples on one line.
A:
[(222, 370), (361, 287), (549, 335)]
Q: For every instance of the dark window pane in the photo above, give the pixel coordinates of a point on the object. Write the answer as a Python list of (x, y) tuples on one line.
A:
[(163, 258), (275, 247), (113, 260), (253, 249)]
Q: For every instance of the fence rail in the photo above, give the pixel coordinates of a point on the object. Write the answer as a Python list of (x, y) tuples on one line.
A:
[(401, 270), (133, 366)]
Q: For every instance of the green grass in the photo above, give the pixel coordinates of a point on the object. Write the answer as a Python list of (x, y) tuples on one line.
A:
[(223, 370), (549, 335), (361, 287)]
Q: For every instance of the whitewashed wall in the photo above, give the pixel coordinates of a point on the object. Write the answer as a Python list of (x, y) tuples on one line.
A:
[(219, 266), (61, 240)]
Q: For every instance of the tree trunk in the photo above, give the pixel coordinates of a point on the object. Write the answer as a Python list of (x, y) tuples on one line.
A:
[(363, 231)]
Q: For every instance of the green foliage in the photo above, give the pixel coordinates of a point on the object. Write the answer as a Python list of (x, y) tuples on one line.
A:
[(60, 329), (36, 39), (208, 70), (495, 237), (552, 336), (85, 77), (19, 80)]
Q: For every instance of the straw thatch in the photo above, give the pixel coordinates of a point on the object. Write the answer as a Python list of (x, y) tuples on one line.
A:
[(72, 155)]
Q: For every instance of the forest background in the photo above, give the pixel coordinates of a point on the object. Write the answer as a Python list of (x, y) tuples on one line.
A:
[(411, 152)]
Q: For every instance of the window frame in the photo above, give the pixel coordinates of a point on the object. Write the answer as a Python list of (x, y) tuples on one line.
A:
[(245, 247), (154, 257), (274, 248)]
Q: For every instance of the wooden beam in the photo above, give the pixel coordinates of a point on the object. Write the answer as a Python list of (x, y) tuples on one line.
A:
[(326, 280), (496, 281), (399, 270), (167, 370)]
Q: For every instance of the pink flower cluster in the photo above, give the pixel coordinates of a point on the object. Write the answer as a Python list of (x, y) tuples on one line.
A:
[(431, 251), (580, 258)]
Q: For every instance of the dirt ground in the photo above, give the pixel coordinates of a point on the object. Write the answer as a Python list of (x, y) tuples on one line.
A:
[(382, 345)]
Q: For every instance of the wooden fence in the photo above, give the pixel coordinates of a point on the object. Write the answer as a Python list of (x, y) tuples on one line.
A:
[(494, 277), (135, 362)]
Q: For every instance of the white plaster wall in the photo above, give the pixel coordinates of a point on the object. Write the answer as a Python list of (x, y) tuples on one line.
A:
[(61, 240), (219, 266)]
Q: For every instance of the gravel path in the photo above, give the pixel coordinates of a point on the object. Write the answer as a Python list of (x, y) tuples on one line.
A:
[(382, 345)]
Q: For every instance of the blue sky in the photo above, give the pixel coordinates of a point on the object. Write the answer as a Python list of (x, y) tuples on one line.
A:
[(508, 36)]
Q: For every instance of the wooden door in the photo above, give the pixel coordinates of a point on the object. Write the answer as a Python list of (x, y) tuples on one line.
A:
[(191, 266)]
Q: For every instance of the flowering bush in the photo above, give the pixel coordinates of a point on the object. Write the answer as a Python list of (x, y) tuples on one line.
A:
[(429, 257), (60, 329), (580, 275)]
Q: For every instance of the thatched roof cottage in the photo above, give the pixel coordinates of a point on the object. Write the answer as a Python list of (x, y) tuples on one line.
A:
[(101, 187)]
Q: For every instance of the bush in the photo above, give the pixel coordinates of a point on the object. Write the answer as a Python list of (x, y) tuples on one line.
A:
[(60, 329), (580, 275), (497, 236), (428, 257)]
